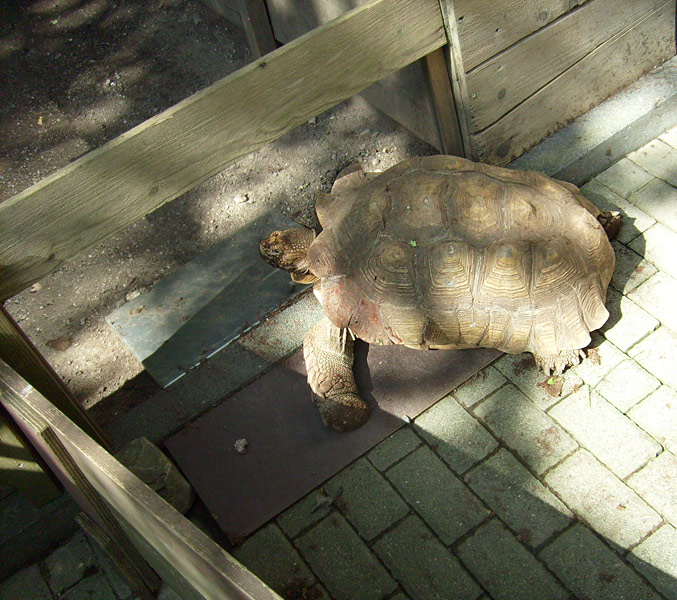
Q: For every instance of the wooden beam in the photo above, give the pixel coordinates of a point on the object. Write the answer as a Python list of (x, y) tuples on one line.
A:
[(115, 185), (257, 28)]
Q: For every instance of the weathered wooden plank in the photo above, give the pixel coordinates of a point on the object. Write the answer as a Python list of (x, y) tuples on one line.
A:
[(501, 83), (18, 351), (485, 27), (257, 26), (613, 65), (157, 161)]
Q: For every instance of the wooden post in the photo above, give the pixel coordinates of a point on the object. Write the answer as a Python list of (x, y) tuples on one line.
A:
[(257, 28)]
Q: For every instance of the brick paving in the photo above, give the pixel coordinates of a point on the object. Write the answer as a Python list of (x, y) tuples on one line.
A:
[(511, 487)]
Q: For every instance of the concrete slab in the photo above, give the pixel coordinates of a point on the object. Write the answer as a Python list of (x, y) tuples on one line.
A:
[(658, 199), (624, 177), (394, 448), (656, 245), (657, 158), (656, 559), (627, 385), (657, 353), (657, 297), (657, 484), (656, 414)]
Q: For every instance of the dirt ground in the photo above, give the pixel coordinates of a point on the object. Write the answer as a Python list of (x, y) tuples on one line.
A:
[(75, 74)]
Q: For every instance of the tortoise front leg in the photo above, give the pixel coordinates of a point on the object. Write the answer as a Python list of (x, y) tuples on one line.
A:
[(328, 351)]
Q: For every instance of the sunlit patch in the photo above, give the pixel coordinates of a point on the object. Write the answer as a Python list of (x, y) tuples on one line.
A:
[(102, 113)]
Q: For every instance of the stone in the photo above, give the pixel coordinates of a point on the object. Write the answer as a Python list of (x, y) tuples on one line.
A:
[(343, 562), (531, 511), (624, 177), (590, 569), (504, 567), (659, 159), (658, 199), (15, 587), (437, 495), (631, 269), (69, 564), (656, 246), (422, 565), (602, 500), (626, 385), (533, 383), (94, 586), (394, 448), (657, 484), (656, 353), (454, 434), (601, 428), (670, 137), (656, 559), (303, 514), (656, 296), (628, 323), (479, 387), (602, 357), (524, 428), (366, 499), (151, 466)]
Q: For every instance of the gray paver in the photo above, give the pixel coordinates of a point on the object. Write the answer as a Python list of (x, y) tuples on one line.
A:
[(659, 159), (518, 498), (525, 428), (670, 137), (657, 484), (657, 297), (626, 385), (457, 437), (658, 199), (628, 323), (591, 569), (505, 567), (68, 564), (437, 495), (656, 559), (608, 356), (394, 448), (522, 371), (624, 177), (656, 245), (656, 353), (600, 499), (631, 269), (613, 438), (303, 514), (366, 499), (657, 414), (115, 578), (479, 387), (269, 555), (635, 220), (425, 568), (16, 586), (343, 562), (94, 586)]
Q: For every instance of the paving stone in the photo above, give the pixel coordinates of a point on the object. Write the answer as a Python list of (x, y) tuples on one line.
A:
[(600, 427), (628, 323), (590, 569), (659, 159), (635, 221), (657, 297), (16, 586), (455, 435), (69, 563), (115, 578), (657, 484), (167, 593), (626, 385), (601, 500), (94, 586), (606, 357), (656, 353), (532, 512), (269, 555), (656, 559), (399, 596), (394, 448), (533, 383), (504, 567), (525, 428), (423, 566), (656, 245), (658, 199), (342, 561), (366, 499), (624, 177), (437, 495), (488, 380), (670, 137), (631, 269), (303, 514)]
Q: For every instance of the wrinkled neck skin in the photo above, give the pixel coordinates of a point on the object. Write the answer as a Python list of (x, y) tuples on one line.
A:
[(288, 250)]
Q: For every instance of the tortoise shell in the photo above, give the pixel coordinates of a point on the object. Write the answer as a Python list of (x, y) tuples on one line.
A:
[(444, 252)]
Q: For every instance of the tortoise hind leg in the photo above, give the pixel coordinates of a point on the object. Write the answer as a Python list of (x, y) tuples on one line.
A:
[(557, 363), (611, 221), (328, 352)]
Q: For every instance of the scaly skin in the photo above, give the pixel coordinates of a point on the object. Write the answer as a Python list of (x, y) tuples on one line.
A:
[(328, 352), (557, 364)]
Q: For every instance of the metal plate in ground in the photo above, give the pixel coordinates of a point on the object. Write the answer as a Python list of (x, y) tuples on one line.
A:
[(290, 451), (205, 304)]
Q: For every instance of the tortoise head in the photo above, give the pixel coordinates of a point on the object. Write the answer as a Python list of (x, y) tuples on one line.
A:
[(288, 250)]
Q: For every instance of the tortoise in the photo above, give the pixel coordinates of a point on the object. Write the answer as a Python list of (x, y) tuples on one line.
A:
[(440, 252)]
